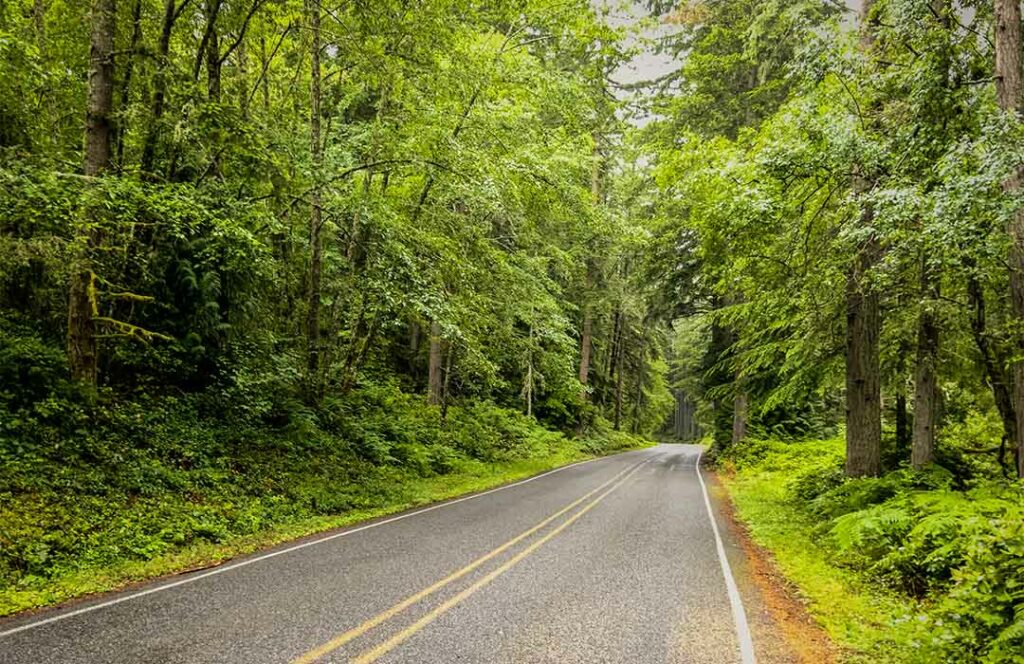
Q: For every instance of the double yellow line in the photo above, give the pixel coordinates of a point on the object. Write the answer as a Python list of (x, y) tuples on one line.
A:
[(379, 651)]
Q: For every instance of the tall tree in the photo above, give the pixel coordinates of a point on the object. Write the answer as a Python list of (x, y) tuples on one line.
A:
[(435, 386), (83, 353), (587, 329), (863, 323), (1009, 95), (316, 151), (926, 388)]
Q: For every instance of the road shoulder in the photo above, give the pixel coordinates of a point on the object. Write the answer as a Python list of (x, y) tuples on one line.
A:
[(783, 630)]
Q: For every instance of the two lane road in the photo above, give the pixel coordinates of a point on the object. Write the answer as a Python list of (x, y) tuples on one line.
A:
[(613, 560)]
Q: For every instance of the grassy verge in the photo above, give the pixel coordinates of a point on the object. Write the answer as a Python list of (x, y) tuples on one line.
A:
[(855, 615), (410, 491), (914, 567)]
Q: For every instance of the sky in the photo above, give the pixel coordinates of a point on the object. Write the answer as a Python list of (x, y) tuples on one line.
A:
[(648, 65)]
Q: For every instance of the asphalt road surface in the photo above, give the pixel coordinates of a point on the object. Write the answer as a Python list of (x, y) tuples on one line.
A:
[(613, 560)]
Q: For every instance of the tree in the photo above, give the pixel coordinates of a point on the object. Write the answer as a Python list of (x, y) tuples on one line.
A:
[(316, 223), (863, 322), (83, 352), (1009, 91)]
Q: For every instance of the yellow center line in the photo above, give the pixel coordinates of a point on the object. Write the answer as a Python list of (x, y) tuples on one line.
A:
[(387, 614), (376, 653)]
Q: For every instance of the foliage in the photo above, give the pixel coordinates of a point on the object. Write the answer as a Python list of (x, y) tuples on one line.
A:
[(312, 293), (951, 555), (145, 481), (807, 167)]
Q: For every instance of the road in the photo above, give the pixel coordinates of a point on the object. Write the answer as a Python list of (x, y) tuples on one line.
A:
[(613, 560)]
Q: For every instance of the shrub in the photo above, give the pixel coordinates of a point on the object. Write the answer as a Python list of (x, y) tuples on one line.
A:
[(960, 552), (981, 619)]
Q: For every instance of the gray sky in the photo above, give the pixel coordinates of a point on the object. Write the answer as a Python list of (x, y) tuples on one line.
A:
[(647, 65)]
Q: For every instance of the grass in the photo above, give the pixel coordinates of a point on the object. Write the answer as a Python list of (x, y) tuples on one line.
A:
[(472, 476), (857, 615)]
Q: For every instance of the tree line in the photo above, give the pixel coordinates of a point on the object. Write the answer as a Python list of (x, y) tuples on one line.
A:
[(840, 192), (293, 199)]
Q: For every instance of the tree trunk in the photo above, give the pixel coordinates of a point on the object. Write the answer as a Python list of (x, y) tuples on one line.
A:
[(863, 371), (264, 82), (619, 357), (39, 23), (639, 402), (243, 77), (612, 351), (445, 394), (528, 379), (213, 92), (414, 350), (159, 88), (82, 345), (316, 204), (926, 388), (903, 434), (434, 385), (585, 348), (997, 378), (213, 64), (739, 417), (715, 378), (586, 333), (1008, 93), (126, 85), (212, 10), (863, 329)]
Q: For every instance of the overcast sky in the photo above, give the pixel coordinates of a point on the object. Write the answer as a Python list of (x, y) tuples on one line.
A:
[(647, 65)]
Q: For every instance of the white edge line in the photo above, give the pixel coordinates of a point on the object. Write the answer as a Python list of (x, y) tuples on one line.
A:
[(739, 616), (249, 561)]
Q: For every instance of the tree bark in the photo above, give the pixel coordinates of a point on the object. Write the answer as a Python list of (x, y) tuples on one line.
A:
[(585, 348), (715, 377), (1008, 94), (434, 384), (863, 329), (264, 84), (926, 388), (83, 353), (446, 383), (171, 14), (619, 360), (639, 403), (528, 379), (39, 23), (213, 65), (903, 434), (998, 380), (212, 10), (316, 204), (126, 85), (586, 334), (414, 351), (863, 371), (739, 417)]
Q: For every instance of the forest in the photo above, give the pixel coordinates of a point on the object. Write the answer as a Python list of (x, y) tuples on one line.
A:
[(269, 267)]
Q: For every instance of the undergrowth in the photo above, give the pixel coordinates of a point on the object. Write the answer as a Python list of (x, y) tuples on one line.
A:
[(916, 567), (97, 492)]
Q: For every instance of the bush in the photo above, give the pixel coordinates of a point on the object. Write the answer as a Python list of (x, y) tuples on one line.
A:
[(602, 438), (961, 552), (981, 619)]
